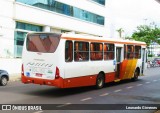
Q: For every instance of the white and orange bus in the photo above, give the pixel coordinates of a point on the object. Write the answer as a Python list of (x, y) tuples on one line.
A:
[(72, 60)]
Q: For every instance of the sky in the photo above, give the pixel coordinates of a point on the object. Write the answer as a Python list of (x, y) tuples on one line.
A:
[(128, 14)]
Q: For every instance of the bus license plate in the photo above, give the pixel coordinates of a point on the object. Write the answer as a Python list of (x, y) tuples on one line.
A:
[(39, 75)]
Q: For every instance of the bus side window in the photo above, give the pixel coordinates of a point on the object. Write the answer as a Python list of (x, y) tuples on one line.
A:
[(138, 52), (129, 51), (81, 51), (96, 51), (108, 51), (69, 51)]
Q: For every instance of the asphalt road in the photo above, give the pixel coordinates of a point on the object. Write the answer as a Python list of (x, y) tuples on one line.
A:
[(144, 91)]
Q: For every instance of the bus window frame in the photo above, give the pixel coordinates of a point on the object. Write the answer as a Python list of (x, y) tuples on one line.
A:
[(96, 54), (83, 55), (128, 54), (109, 51), (67, 60), (137, 52)]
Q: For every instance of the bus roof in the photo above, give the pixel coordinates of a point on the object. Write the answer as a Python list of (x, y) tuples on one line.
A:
[(82, 37), (100, 39)]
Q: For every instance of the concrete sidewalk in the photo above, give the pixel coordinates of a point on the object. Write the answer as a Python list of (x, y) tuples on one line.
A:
[(15, 77)]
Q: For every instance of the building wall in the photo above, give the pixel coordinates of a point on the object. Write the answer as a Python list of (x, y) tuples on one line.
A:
[(7, 26), (154, 49), (55, 20), (12, 66), (12, 12)]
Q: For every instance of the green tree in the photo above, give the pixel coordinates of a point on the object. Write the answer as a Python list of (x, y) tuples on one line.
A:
[(147, 33)]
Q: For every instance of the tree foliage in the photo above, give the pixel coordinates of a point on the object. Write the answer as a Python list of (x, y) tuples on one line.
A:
[(147, 33)]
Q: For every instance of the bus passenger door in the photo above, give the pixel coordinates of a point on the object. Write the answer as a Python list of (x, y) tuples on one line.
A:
[(118, 62)]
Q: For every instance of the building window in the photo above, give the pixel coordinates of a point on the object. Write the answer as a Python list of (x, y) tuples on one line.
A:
[(81, 51), (30, 27), (69, 51), (65, 9), (108, 51), (18, 43), (102, 2), (96, 51), (20, 35)]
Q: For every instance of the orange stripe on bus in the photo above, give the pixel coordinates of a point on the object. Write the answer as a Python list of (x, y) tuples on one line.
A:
[(89, 80), (123, 68), (56, 82), (133, 66), (110, 77), (80, 81), (128, 68), (107, 41)]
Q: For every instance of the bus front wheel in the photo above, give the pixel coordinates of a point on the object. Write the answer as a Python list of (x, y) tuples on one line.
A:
[(100, 81)]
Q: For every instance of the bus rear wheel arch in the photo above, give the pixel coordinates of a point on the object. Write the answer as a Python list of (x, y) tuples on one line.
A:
[(100, 80)]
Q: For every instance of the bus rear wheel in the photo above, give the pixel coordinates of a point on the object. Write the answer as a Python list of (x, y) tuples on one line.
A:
[(100, 81), (136, 74)]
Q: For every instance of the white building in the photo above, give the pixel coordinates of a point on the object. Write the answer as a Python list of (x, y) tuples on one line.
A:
[(17, 17), (154, 49)]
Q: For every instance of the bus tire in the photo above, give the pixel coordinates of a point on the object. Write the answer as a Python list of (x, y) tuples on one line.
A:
[(136, 74), (100, 81)]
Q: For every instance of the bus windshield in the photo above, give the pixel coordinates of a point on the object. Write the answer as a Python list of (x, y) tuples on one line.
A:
[(41, 42)]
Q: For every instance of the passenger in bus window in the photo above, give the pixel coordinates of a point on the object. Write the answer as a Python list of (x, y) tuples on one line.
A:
[(84, 56), (92, 56), (78, 56)]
